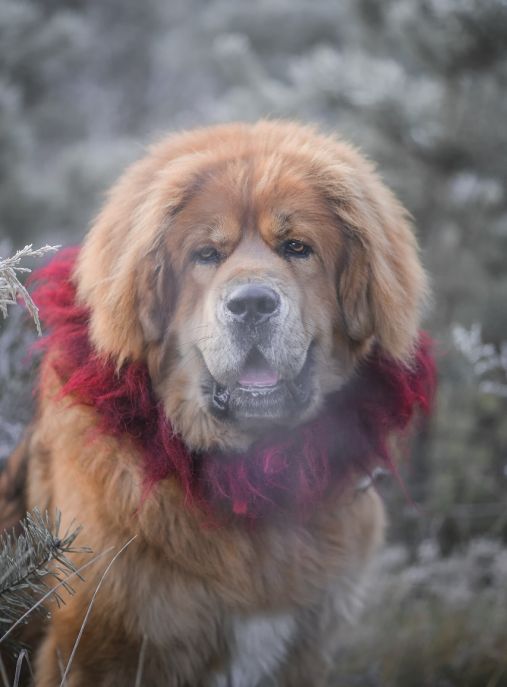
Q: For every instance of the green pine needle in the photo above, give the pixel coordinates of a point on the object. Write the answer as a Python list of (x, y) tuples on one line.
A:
[(30, 562)]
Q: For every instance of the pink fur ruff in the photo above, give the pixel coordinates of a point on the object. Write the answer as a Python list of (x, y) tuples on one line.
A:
[(290, 471)]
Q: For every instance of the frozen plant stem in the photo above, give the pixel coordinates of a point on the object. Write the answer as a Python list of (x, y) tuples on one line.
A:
[(11, 288)]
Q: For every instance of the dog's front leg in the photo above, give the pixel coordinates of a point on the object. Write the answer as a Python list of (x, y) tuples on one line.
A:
[(110, 667)]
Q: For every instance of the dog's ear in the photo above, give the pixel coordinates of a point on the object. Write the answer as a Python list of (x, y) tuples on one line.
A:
[(121, 274), (354, 283), (381, 283), (155, 295)]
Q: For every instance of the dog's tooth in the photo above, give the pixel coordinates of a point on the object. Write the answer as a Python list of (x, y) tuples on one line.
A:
[(221, 396)]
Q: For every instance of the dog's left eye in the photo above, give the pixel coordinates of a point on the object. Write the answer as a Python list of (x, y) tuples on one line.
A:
[(295, 249), (206, 255)]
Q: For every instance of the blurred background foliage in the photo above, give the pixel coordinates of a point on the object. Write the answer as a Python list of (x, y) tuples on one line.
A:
[(421, 87)]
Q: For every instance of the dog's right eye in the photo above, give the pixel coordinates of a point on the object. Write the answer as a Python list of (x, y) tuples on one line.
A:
[(206, 255)]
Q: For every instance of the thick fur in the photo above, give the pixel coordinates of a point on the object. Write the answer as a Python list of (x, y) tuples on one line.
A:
[(230, 604)]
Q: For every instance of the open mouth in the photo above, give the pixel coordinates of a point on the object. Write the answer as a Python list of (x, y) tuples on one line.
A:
[(261, 394), (257, 374)]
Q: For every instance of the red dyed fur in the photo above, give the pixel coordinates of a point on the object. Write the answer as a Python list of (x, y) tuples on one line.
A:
[(285, 471)]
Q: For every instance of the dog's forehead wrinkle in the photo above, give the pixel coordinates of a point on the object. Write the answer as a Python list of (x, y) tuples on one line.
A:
[(248, 210), (252, 246)]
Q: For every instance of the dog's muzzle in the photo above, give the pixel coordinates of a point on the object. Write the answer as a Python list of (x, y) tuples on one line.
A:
[(261, 395)]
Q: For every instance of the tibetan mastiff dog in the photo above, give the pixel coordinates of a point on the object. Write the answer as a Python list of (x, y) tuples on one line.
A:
[(226, 359)]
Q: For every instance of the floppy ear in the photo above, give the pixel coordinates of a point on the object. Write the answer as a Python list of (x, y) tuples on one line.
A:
[(354, 278), (120, 274), (155, 295), (381, 283)]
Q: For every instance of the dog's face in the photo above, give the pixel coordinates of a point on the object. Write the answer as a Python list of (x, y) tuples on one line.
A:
[(252, 330), (252, 267)]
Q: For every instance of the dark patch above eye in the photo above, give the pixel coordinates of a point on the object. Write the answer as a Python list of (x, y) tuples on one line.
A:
[(206, 255), (292, 248)]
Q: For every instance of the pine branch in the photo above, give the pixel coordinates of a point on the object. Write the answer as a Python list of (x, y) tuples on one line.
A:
[(30, 562), (11, 288)]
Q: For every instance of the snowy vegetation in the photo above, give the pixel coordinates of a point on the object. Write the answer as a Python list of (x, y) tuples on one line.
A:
[(11, 288), (420, 86)]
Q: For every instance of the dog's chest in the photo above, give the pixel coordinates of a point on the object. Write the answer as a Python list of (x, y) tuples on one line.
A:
[(190, 626), (258, 645), (195, 632)]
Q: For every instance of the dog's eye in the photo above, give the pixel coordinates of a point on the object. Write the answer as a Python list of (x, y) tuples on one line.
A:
[(296, 249), (206, 255)]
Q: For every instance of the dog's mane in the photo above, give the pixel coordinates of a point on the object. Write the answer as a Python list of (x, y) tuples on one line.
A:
[(286, 471)]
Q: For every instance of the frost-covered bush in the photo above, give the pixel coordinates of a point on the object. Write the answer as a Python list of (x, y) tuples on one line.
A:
[(16, 336), (16, 379), (488, 364), (433, 622)]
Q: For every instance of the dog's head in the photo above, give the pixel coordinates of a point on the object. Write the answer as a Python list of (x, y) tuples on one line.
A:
[(252, 267)]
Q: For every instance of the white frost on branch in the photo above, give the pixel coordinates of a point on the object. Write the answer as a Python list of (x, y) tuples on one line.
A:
[(11, 288), (485, 359)]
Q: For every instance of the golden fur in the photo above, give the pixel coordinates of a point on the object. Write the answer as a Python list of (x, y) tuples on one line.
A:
[(181, 587)]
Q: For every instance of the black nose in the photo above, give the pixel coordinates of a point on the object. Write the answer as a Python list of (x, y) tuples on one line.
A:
[(253, 303)]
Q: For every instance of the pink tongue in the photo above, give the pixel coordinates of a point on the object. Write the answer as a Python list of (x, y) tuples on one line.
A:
[(258, 376)]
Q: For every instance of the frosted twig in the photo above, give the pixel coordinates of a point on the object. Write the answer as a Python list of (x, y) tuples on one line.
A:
[(11, 288)]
